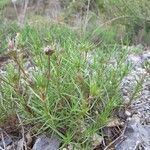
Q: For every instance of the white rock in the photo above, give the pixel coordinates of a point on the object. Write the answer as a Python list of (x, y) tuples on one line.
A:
[(128, 113), (45, 143)]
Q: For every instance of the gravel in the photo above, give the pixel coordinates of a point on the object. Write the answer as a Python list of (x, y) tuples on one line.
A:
[(137, 134)]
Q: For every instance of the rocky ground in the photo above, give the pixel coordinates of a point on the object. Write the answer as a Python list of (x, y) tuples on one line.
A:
[(137, 133), (134, 129)]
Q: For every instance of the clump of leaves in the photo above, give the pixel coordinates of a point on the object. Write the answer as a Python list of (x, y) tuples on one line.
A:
[(71, 92)]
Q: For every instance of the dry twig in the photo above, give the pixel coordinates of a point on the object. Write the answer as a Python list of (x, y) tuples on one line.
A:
[(117, 139)]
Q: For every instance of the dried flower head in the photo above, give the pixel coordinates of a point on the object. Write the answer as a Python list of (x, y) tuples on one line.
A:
[(48, 50), (11, 44)]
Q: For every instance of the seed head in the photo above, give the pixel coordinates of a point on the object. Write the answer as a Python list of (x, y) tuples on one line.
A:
[(48, 50)]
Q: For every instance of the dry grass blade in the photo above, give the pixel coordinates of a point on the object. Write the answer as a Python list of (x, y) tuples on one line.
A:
[(121, 137), (22, 145)]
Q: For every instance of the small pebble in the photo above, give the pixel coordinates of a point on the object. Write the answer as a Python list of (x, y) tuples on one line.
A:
[(127, 113)]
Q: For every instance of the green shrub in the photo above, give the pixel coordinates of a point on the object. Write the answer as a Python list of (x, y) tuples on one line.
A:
[(3, 3), (134, 14), (66, 94)]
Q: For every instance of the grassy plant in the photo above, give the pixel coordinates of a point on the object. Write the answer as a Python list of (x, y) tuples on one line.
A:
[(7, 31), (135, 15), (3, 3), (71, 93)]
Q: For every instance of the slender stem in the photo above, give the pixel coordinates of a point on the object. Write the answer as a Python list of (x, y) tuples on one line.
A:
[(48, 78), (49, 67), (136, 90), (20, 67), (49, 71), (87, 15), (15, 10)]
